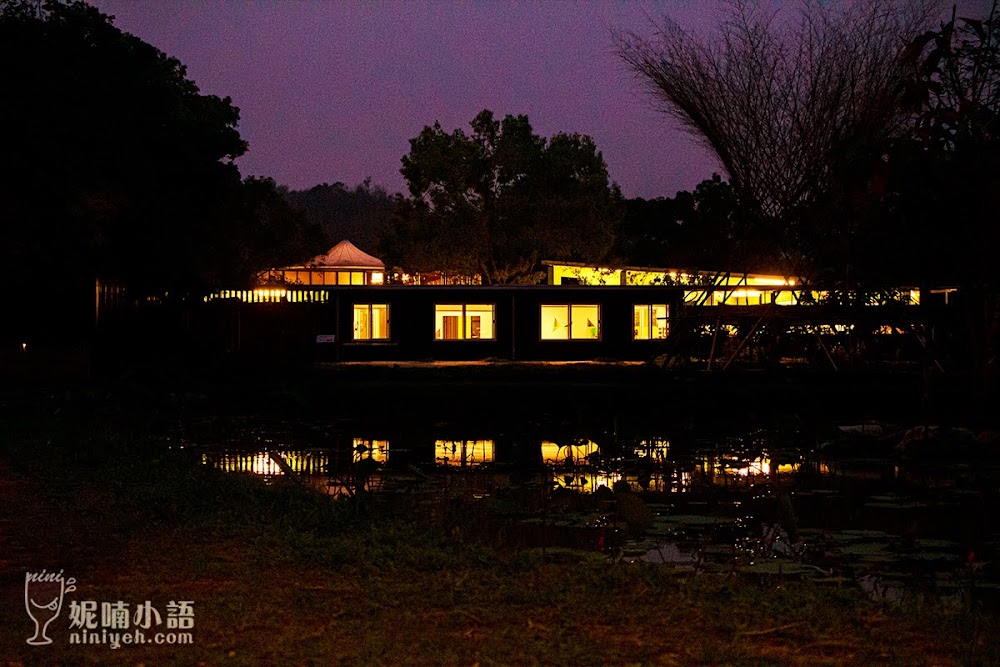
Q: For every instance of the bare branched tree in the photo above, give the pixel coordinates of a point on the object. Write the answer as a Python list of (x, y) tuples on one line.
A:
[(787, 103)]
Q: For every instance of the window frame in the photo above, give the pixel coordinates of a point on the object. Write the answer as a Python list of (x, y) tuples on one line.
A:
[(569, 321), (464, 321), (371, 310), (651, 321)]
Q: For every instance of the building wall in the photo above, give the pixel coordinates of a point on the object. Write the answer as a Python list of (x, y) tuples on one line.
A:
[(323, 329)]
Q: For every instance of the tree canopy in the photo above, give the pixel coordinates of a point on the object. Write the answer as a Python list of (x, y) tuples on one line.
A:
[(116, 166), (696, 230), (940, 184), (498, 201), (346, 213)]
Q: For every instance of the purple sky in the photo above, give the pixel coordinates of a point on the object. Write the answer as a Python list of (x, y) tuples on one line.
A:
[(334, 90)]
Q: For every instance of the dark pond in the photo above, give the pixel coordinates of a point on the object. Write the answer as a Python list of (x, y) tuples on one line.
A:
[(895, 509)]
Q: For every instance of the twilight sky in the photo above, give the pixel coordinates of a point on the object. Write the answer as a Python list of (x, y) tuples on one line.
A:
[(334, 90)]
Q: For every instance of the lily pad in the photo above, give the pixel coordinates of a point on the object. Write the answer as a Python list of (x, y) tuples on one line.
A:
[(868, 534), (698, 520), (864, 549), (776, 566)]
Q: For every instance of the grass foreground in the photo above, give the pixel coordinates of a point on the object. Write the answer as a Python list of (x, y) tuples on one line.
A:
[(280, 575)]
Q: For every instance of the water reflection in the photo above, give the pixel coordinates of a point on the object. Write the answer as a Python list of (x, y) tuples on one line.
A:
[(578, 464), (568, 454), (464, 452), (732, 505), (726, 470), (256, 463), (375, 450)]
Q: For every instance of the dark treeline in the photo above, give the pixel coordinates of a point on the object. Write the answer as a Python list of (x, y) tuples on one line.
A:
[(342, 212), (116, 167)]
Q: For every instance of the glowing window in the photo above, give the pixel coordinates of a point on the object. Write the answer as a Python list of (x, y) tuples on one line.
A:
[(571, 322), (328, 278), (371, 321), (464, 322), (357, 278), (650, 321)]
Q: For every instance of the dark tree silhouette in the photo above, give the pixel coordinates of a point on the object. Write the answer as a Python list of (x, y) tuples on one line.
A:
[(115, 165), (346, 213), (694, 230), (499, 201), (795, 108), (940, 184)]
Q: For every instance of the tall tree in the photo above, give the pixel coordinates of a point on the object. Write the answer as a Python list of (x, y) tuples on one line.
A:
[(115, 166), (499, 201), (940, 184), (795, 108), (948, 166)]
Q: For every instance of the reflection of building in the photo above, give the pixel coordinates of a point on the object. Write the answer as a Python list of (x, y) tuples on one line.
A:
[(574, 452), (464, 452), (343, 264), (376, 450)]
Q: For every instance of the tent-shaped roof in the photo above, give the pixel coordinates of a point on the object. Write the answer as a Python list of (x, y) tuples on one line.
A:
[(345, 255)]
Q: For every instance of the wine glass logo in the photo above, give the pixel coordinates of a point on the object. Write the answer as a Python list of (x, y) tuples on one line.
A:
[(43, 600)]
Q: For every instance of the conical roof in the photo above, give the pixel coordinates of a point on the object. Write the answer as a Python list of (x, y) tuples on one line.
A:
[(345, 255)]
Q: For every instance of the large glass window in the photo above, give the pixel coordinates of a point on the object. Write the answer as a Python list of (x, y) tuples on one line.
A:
[(371, 321), (571, 322), (650, 321), (463, 321)]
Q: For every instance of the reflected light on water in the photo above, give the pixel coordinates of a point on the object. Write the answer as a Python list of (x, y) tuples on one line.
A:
[(463, 452), (376, 450), (720, 469), (587, 482), (576, 452), (268, 464), (656, 450), (258, 463)]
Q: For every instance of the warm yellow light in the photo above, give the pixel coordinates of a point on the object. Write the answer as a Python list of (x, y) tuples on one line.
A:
[(578, 451), (586, 481), (769, 280), (463, 452), (376, 450), (269, 294), (377, 278), (24, 347)]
